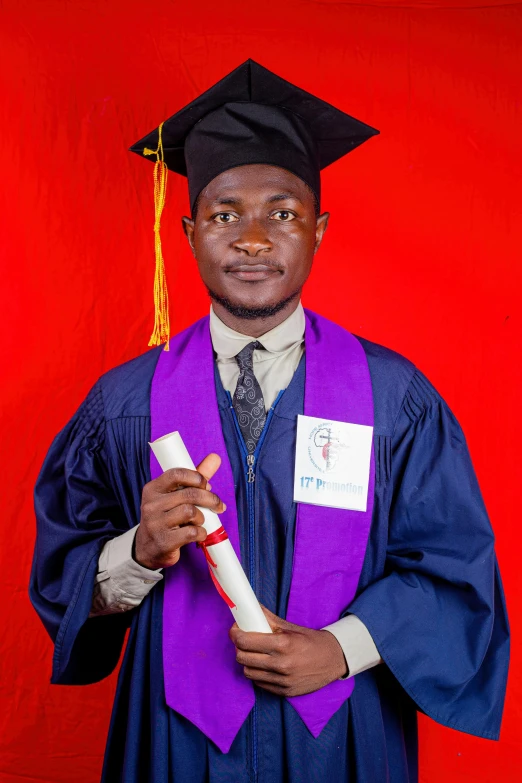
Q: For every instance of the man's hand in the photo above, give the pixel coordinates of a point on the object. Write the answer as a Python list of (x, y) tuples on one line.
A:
[(169, 517), (291, 661)]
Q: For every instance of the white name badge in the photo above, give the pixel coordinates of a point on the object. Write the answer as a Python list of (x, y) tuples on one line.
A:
[(332, 463)]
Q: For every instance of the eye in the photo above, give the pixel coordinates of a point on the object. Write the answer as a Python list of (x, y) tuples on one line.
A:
[(225, 217), (284, 215)]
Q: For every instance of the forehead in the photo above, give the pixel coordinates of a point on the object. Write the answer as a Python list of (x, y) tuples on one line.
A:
[(255, 180)]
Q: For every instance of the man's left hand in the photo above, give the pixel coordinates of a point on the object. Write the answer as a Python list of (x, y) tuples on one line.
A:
[(292, 660)]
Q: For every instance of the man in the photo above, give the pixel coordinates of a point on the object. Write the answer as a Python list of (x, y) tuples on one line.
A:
[(398, 592)]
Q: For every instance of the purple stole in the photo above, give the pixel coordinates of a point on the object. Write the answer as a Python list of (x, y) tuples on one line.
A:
[(203, 681)]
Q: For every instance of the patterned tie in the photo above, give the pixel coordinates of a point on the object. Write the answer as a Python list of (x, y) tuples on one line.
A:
[(248, 398)]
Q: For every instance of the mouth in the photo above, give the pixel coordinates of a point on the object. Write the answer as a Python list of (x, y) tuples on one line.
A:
[(252, 272)]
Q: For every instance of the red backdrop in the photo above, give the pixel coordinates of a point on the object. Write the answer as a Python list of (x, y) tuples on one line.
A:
[(422, 254)]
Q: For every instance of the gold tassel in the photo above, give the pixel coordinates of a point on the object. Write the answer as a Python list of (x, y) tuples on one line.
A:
[(161, 331)]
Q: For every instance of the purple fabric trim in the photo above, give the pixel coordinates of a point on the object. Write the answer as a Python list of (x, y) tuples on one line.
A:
[(203, 681), (326, 570)]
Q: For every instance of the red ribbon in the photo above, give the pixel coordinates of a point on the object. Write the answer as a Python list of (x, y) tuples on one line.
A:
[(216, 537)]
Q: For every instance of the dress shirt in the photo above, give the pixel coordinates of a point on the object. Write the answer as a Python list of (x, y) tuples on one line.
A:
[(122, 583), (274, 366)]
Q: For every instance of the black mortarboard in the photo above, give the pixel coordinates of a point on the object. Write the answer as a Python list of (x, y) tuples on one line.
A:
[(249, 116), (254, 116)]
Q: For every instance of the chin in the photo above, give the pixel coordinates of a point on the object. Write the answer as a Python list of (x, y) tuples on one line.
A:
[(251, 308)]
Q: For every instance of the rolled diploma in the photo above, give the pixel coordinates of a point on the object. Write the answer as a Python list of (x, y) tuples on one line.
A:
[(171, 452)]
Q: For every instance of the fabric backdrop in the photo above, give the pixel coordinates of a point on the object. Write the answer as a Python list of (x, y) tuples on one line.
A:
[(422, 254)]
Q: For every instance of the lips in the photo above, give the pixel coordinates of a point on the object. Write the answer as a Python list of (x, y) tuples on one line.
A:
[(252, 272)]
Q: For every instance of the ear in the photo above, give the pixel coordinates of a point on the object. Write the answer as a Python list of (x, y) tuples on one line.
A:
[(188, 229), (320, 228)]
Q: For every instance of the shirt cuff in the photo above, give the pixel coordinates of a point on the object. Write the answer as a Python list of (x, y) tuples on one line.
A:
[(356, 643), (121, 582)]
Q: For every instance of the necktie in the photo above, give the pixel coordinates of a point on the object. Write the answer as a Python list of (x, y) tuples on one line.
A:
[(248, 399)]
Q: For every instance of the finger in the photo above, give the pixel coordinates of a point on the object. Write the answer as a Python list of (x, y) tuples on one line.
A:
[(181, 536), (268, 643), (279, 690), (198, 497), (164, 514), (182, 516), (170, 544), (177, 478), (261, 676), (209, 465), (257, 660), (277, 622), (273, 620)]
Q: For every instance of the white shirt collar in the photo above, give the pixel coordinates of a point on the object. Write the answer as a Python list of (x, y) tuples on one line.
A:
[(227, 342)]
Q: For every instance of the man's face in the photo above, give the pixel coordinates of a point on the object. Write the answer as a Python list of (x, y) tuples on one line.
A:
[(254, 236)]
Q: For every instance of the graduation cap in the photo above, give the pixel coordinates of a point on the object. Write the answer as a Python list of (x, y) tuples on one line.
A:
[(250, 116)]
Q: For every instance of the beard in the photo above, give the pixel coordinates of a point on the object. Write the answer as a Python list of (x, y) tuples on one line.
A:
[(252, 313)]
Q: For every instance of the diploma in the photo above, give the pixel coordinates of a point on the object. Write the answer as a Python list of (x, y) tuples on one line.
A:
[(225, 569)]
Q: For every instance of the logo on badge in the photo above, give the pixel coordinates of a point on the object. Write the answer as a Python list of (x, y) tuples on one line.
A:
[(325, 447)]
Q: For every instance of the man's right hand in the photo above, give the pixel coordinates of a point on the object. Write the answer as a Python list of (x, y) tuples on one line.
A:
[(169, 517)]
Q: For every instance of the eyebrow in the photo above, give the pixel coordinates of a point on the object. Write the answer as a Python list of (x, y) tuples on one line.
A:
[(284, 197), (271, 200)]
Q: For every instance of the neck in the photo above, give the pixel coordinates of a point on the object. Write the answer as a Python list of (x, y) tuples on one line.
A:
[(254, 327)]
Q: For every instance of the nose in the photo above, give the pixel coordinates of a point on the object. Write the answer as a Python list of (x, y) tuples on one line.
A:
[(252, 239)]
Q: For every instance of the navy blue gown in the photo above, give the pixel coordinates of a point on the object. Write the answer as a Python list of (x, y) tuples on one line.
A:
[(429, 592)]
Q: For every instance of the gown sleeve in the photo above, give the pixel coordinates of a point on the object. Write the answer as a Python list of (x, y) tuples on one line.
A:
[(76, 514), (438, 614)]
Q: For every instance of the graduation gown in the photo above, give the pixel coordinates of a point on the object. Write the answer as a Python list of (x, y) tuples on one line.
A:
[(429, 592)]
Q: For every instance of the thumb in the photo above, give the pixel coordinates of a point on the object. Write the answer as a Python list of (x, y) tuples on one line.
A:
[(209, 465), (275, 622)]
